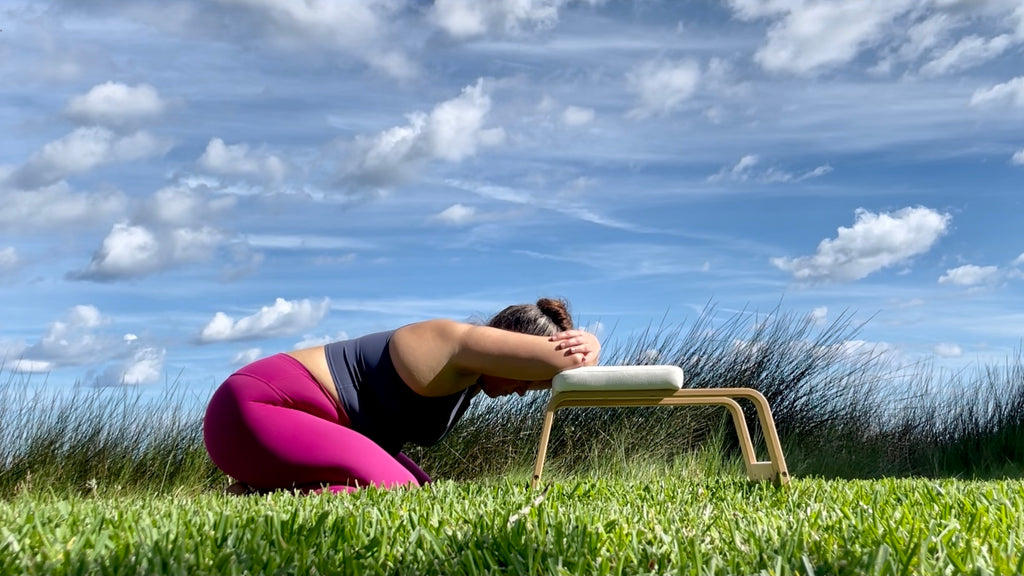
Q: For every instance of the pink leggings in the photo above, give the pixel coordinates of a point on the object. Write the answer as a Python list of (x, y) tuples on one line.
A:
[(271, 425)]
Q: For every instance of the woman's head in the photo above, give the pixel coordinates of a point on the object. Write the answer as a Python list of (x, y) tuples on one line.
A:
[(545, 318)]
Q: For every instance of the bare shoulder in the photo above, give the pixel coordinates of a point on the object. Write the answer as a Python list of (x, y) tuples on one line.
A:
[(422, 354), (432, 330)]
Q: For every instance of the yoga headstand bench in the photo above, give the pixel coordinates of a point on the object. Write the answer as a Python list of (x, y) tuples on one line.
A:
[(604, 386)]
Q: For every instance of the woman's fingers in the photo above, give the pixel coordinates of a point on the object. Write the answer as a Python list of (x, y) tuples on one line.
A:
[(566, 335), (578, 342)]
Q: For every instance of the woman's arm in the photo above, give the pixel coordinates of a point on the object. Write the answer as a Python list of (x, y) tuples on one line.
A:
[(439, 357), (506, 354)]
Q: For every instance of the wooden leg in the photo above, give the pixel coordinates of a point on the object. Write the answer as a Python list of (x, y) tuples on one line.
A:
[(542, 449), (771, 437)]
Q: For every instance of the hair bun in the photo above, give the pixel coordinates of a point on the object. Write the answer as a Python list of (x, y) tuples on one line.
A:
[(557, 311)]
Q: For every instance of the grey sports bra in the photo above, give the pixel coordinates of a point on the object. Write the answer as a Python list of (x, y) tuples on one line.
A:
[(379, 403)]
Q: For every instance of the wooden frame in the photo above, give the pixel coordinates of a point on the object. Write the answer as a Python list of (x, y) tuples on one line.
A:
[(773, 469)]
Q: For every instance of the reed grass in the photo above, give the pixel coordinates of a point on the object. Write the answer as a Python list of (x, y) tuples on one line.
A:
[(842, 411)]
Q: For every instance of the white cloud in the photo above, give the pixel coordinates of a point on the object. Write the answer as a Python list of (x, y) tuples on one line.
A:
[(457, 215), (116, 105), (856, 348), (9, 259), (146, 366), (967, 53), (747, 169), (309, 341), (454, 130), (282, 318), (874, 242), (126, 251), (813, 36), (133, 250), (577, 116), (56, 207), (82, 150), (819, 315), (809, 36), (238, 160), (469, 18), (74, 340), (360, 29), (183, 206), (32, 366), (1018, 158), (662, 87), (970, 275), (1019, 261), (947, 350), (1009, 93), (247, 356)]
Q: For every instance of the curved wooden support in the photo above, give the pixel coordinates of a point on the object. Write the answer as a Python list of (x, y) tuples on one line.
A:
[(774, 469)]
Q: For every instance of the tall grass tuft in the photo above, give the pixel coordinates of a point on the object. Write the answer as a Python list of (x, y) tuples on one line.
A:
[(75, 440), (842, 408)]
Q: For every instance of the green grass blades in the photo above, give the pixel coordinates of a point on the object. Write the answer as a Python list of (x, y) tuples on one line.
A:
[(717, 525)]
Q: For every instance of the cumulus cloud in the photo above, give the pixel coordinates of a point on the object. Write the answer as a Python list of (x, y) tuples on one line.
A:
[(82, 150), (56, 207), (469, 18), (809, 36), (1018, 158), (970, 275), (180, 205), (133, 250), (662, 86), (145, 366), (77, 339), (577, 116), (967, 53), (1019, 261), (282, 318), (452, 131), (168, 229), (116, 105), (9, 260), (874, 242), (246, 356), (456, 215), (812, 36), (238, 160), (309, 341), (748, 169), (948, 350), (819, 315), (1007, 94), (359, 29)]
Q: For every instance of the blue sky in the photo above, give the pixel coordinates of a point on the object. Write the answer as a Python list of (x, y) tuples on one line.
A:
[(187, 185)]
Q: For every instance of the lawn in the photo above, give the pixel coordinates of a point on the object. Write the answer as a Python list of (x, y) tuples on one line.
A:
[(667, 525)]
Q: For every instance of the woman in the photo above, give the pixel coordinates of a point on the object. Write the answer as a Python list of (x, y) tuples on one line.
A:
[(338, 415)]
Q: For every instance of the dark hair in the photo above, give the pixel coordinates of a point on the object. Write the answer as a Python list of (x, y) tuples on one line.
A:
[(545, 318)]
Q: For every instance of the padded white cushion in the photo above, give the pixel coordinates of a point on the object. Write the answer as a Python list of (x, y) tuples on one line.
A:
[(598, 378)]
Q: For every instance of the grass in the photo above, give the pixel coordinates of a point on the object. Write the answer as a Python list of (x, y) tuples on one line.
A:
[(659, 524)]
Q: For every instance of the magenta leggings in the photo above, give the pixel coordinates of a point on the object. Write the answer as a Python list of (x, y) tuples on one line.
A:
[(271, 426)]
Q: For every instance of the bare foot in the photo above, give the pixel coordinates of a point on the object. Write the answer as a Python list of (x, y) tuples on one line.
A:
[(239, 489)]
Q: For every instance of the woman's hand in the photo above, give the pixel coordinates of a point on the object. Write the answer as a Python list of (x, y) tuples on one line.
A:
[(579, 342)]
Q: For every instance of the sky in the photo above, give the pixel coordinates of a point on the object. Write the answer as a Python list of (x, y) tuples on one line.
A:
[(189, 185)]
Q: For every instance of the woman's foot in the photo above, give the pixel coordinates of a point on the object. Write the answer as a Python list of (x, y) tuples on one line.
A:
[(239, 489)]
